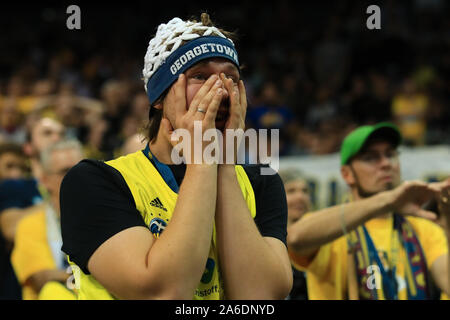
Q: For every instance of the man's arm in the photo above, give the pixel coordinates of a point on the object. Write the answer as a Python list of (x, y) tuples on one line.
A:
[(440, 273), (132, 265), (440, 269), (39, 279), (31, 256), (9, 219), (253, 266), (307, 235)]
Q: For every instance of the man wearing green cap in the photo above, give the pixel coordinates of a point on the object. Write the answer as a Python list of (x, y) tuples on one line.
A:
[(382, 244)]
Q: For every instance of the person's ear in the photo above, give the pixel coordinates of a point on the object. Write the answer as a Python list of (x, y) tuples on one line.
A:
[(158, 106), (347, 174)]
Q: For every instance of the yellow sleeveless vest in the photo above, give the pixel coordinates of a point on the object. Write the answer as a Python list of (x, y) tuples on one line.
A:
[(155, 200)]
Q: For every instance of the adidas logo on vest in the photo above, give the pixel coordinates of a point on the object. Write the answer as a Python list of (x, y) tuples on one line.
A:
[(157, 203)]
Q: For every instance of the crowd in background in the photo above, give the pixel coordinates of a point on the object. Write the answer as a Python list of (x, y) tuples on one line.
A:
[(313, 70)]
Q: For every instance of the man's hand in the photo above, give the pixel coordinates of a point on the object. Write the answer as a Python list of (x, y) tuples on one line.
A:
[(444, 205), (411, 196), (441, 191), (437, 187), (238, 103), (39, 279), (236, 118), (206, 99)]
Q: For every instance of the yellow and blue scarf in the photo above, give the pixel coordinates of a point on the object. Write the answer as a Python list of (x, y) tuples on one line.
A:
[(365, 255)]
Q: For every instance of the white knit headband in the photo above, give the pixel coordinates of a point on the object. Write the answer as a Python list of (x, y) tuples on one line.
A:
[(173, 33)]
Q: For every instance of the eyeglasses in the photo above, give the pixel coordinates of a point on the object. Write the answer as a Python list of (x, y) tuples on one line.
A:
[(373, 157)]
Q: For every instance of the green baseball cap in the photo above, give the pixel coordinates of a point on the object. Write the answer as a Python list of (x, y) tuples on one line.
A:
[(355, 140)]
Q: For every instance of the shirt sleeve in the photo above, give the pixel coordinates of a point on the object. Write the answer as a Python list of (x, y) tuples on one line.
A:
[(96, 204), (271, 205), (432, 239), (31, 253)]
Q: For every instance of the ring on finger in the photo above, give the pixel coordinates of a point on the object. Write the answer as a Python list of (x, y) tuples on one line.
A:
[(201, 110)]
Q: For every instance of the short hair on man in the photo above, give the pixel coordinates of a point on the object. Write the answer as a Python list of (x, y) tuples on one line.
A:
[(45, 156), (291, 174)]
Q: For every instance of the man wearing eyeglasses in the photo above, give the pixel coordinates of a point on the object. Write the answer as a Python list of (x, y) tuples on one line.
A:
[(382, 245)]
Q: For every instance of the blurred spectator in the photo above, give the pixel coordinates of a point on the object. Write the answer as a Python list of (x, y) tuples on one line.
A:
[(379, 108), (297, 193), (43, 87), (331, 55), (270, 113), (21, 196), (76, 113), (409, 108), (17, 91), (298, 202), (324, 124), (368, 99), (329, 49), (11, 122), (12, 162), (43, 132), (438, 119), (17, 189), (114, 95), (37, 257), (140, 106), (94, 140), (322, 110), (12, 168)]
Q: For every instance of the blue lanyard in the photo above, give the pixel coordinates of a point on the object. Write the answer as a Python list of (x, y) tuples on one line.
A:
[(390, 286), (163, 170)]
